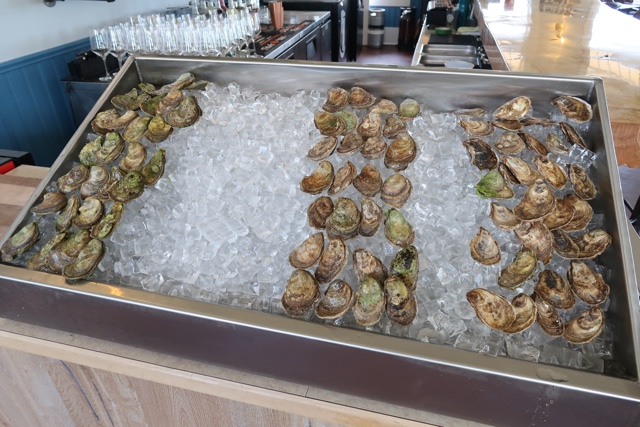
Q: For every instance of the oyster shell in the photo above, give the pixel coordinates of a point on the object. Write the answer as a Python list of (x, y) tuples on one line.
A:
[(532, 121), (564, 246), (199, 85), (308, 252), (110, 120), (368, 181), (571, 135), (187, 113), (344, 221), (492, 309), (20, 242), (511, 125), (366, 264), (108, 223), (519, 271), (134, 159), (323, 148), (337, 99), (385, 106), (555, 290), (592, 243), (397, 229), (374, 148), (301, 293), (51, 202), (371, 125), (396, 190), (360, 98), (405, 266), (130, 100), (99, 177), (86, 261), (555, 145), (401, 302), (538, 201), (332, 261), (184, 80), (319, 180), (351, 143), (548, 317), (67, 250), (582, 184), (329, 124), (573, 108), (550, 170), (319, 211), (370, 302), (408, 109), (482, 156), (371, 218), (586, 284), (513, 109), (476, 127), (585, 327), (88, 153), (38, 262), (154, 169), (582, 213), (537, 238), (103, 193), (484, 248), (503, 217), (393, 126), (130, 187), (170, 101), (134, 132), (73, 179), (350, 120), (342, 179), (158, 130), (150, 106), (494, 186), (560, 215), (338, 298), (507, 174), (510, 143), (402, 151), (533, 143), (89, 213), (470, 112), (65, 217), (526, 313), (111, 148)]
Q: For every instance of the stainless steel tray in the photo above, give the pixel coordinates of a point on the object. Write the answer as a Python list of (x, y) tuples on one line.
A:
[(409, 373)]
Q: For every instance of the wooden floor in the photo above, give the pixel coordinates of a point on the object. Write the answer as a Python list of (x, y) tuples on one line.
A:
[(386, 55)]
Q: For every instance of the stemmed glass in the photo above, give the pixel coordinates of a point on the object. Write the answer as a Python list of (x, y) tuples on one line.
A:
[(117, 43), (100, 47), (255, 16)]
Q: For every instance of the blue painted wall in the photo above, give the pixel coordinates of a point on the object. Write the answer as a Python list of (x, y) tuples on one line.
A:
[(392, 14), (35, 114)]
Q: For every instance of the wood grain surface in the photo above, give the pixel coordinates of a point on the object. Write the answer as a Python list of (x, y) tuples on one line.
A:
[(15, 189)]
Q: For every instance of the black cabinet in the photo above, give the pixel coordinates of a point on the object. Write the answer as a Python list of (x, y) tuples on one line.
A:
[(310, 48)]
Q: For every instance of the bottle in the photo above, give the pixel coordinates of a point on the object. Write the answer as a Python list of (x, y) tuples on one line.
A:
[(463, 13)]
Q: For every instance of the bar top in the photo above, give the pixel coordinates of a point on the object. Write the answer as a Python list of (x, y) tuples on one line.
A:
[(576, 37)]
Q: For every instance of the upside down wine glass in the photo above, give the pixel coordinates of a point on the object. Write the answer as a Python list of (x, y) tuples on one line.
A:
[(100, 47)]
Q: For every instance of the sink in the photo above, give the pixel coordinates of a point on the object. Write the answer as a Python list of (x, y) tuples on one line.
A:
[(443, 49), (439, 60)]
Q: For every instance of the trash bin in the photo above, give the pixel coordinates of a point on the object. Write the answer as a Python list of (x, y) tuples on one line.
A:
[(375, 32)]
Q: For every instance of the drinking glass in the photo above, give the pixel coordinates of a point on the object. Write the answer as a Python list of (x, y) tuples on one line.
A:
[(100, 47), (117, 43)]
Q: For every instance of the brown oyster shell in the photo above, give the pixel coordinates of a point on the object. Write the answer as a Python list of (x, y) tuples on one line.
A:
[(406, 266), (158, 130), (51, 202), (476, 127), (89, 213), (150, 106), (592, 243), (64, 218), (20, 242), (308, 252), (368, 181), (396, 190), (360, 98), (585, 327), (537, 238), (319, 211), (351, 143), (87, 155), (402, 151), (523, 172), (99, 177), (397, 229), (564, 246), (301, 293), (323, 148), (371, 125), (586, 284), (571, 135), (329, 124), (555, 290), (484, 248), (582, 213), (470, 112), (111, 148), (73, 179), (519, 271), (349, 118), (371, 217), (492, 309), (38, 262), (532, 121), (332, 261), (550, 170), (130, 100), (338, 298), (134, 159), (401, 302), (582, 184), (129, 187), (573, 108), (135, 131), (385, 106), (370, 302), (67, 250), (507, 174), (526, 313), (337, 99), (366, 264), (344, 221), (319, 180), (86, 261), (513, 109), (342, 179), (510, 143), (548, 317), (393, 126), (182, 82), (511, 125), (374, 148), (555, 145), (503, 217), (169, 102), (560, 215), (154, 169), (110, 120), (533, 143), (108, 223), (538, 201), (482, 156), (185, 114)]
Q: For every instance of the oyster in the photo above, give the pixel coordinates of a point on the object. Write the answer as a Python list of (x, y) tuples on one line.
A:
[(338, 298), (514, 109), (538, 201), (401, 302), (301, 293), (582, 213), (103, 193), (592, 243), (199, 85), (350, 120), (503, 217), (158, 130), (586, 284), (510, 143), (184, 80), (585, 327), (555, 145), (308, 252), (405, 266), (110, 150), (385, 106), (582, 184), (319, 211), (526, 313), (38, 262), (519, 271), (319, 180), (396, 190), (67, 250), (86, 261), (351, 143), (531, 121), (373, 148), (150, 106), (537, 238), (64, 218), (368, 181), (494, 186), (134, 159), (371, 218), (337, 99), (366, 264), (492, 309), (511, 125), (169, 102), (344, 221), (99, 177), (130, 187), (323, 148), (153, 170), (560, 215), (89, 213), (88, 153), (550, 170), (110, 120), (573, 108), (564, 246), (477, 127), (371, 125), (187, 113), (370, 302), (393, 126), (507, 174), (135, 131), (555, 290), (482, 156), (332, 261), (73, 179), (20, 242), (397, 229), (108, 223), (470, 112), (548, 317), (533, 143), (484, 248), (571, 135), (329, 124), (130, 100), (409, 108), (402, 151), (360, 98), (342, 179), (51, 202)]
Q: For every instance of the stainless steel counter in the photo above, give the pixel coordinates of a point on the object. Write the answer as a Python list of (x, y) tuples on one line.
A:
[(297, 17)]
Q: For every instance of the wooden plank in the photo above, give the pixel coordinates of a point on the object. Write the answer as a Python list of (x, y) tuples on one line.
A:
[(29, 171), (626, 137)]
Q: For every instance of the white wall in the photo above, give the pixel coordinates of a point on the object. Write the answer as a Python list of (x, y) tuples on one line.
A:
[(28, 26)]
